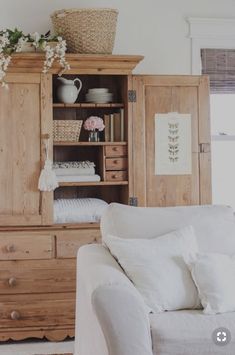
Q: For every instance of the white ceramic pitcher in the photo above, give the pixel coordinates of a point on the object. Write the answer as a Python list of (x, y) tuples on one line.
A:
[(68, 92)]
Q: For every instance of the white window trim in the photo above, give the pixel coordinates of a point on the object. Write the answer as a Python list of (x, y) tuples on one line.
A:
[(209, 33)]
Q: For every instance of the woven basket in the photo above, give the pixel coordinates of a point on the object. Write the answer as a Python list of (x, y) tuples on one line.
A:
[(66, 130), (87, 30)]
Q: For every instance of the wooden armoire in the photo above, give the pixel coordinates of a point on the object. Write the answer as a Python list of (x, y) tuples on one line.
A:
[(38, 257)]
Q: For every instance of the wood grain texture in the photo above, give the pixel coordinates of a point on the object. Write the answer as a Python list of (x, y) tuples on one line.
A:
[(67, 245), (159, 94), (35, 276), (79, 63), (46, 207), (43, 310), (20, 246), (19, 165), (55, 334)]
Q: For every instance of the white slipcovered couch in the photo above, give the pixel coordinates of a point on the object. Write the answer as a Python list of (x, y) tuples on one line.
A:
[(111, 317)]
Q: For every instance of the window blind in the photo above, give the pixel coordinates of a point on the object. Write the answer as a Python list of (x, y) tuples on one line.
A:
[(219, 64)]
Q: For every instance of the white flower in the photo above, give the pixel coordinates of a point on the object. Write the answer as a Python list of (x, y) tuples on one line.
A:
[(36, 37), (20, 44)]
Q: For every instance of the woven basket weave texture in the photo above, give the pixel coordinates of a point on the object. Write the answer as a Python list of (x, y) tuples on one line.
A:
[(87, 30), (67, 130)]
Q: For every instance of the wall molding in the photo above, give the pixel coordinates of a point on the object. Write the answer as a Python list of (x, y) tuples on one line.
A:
[(209, 33)]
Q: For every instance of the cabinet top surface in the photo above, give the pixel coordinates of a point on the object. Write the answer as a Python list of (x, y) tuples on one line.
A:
[(82, 63)]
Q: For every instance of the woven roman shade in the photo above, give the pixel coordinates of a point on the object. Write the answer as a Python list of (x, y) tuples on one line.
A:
[(219, 64)]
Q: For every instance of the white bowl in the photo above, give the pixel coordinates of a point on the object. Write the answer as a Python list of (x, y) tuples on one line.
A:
[(98, 90)]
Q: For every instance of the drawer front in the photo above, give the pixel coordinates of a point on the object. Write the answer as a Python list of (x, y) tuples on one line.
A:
[(20, 246), (116, 175), (42, 310), (17, 277), (67, 244), (116, 163), (115, 150)]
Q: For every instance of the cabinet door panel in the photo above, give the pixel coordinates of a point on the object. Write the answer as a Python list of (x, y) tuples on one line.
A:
[(164, 94), (20, 151)]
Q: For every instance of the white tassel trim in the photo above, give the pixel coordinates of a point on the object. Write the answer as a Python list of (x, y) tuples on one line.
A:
[(47, 180)]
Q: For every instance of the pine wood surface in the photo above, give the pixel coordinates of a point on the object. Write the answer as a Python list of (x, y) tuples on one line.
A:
[(79, 63), (163, 94), (33, 276), (22, 246)]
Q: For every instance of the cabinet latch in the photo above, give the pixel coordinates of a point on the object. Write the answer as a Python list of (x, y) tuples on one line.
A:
[(132, 95), (133, 201)]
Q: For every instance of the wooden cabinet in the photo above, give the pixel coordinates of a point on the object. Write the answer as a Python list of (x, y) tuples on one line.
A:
[(25, 116), (38, 257), (163, 94)]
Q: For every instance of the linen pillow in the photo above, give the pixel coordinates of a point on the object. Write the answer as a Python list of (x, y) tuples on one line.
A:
[(214, 276), (157, 269)]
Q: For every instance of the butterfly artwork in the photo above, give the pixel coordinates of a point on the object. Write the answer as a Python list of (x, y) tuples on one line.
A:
[(173, 139), (173, 146), (173, 125)]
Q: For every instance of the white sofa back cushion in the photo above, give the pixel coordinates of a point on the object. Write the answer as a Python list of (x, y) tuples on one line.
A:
[(157, 269), (214, 226)]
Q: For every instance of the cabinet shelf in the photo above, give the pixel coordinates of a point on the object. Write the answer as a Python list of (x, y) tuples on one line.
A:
[(101, 183), (87, 144), (88, 105)]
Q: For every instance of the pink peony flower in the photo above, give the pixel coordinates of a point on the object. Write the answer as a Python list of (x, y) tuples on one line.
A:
[(94, 122)]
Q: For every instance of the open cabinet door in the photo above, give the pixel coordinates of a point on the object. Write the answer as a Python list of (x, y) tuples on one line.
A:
[(162, 95), (25, 116)]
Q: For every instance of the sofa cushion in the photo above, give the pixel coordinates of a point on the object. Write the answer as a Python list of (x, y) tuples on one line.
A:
[(214, 276), (189, 332), (214, 225), (157, 269)]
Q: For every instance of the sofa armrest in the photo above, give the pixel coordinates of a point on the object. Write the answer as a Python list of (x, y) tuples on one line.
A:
[(111, 317)]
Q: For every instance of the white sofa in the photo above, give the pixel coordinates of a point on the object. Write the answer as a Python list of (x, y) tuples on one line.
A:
[(111, 317)]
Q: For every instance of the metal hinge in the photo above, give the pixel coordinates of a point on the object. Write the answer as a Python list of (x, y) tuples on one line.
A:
[(133, 201), (204, 148), (132, 95)]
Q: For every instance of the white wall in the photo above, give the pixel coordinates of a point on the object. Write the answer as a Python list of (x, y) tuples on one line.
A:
[(156, 29)]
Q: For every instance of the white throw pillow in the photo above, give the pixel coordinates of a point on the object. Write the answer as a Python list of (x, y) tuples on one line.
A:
[(157, 269), (214, 276)]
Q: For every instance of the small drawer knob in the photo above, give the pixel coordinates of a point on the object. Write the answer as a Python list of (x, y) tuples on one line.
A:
[(12, 281), (114, 176), (115, 149), (10, 248), (115, 161), (15, 315)]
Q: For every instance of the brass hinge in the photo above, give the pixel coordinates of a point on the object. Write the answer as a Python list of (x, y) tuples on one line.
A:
[(132, 95), (133, 201)]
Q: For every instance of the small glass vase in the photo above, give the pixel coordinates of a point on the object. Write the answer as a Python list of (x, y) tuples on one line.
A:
[(94, 136)]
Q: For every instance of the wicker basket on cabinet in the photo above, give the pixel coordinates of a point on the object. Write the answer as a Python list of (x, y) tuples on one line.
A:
[(87, 30)]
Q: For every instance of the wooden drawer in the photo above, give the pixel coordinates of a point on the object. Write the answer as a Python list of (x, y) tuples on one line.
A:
[(20, 245), (37, 276), (68, 243), (116, 175), (115, 150), (41, 310), (116, 163)]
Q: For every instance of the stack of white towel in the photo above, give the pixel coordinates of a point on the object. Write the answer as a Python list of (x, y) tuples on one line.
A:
[(75, 171)]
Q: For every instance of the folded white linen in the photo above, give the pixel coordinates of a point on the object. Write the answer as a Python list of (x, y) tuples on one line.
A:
[(80, 210), (78, 178), (74, 171), (73, 164)]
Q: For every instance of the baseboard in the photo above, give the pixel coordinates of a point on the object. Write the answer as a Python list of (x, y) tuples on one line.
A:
[(29, 347)]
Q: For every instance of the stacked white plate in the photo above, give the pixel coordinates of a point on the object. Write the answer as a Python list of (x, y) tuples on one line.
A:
[(99, 95)]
